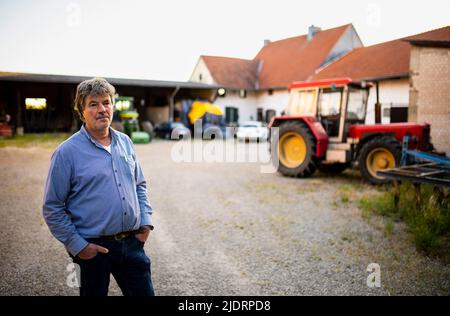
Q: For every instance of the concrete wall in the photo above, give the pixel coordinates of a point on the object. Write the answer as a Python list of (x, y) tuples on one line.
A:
[(430, 92)]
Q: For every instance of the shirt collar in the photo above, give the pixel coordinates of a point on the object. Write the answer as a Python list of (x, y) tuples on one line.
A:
[(112, 132)]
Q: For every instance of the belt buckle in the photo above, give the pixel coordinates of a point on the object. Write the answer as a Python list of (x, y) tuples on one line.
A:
[(120, 236)]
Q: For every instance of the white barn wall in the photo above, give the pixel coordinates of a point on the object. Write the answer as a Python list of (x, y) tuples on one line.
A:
[(202, 69), (370, 115), (247, 106), (277, 101), (391, 92)]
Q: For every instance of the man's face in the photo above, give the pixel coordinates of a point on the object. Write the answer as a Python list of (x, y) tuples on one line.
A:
[(98, 112)]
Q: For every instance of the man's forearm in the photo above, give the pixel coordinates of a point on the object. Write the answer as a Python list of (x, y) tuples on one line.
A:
[(63, 229)]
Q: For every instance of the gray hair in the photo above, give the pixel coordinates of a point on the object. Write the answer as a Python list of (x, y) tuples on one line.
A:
[(92, 87)]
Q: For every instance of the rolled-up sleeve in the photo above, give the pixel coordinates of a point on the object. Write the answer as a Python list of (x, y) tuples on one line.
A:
[(57, 188)]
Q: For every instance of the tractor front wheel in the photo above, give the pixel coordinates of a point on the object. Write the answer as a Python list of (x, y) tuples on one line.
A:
[(296, 150), (379, 154)]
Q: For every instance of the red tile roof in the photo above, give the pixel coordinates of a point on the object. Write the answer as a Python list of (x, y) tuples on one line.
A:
[(280, 62), (296, 58), (438, 37), (233, 72), (385, 60)]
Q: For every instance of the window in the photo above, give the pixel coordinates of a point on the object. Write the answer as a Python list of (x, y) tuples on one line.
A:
[(330, 109), (259, 114), (399, 113), (330, 103), (302, 102), (269, 114), (35, 103), (356, 107), (243, 93), (200, 77), (231, 114)]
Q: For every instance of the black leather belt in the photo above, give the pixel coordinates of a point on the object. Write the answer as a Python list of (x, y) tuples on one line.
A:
[(122, 235)]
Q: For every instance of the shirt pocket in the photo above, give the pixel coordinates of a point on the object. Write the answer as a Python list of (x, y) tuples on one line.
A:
[(128, 164)]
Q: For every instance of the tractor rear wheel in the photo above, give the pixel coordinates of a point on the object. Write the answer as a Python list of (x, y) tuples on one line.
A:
[(296, 148), (379, 154)]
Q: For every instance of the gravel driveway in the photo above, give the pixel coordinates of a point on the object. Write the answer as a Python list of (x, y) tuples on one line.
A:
[(223, 229)]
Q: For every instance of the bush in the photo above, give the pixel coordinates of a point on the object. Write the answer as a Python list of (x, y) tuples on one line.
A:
[(429, 223)]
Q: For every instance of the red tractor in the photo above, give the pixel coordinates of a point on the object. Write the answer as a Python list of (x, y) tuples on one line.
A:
[(324, 128)]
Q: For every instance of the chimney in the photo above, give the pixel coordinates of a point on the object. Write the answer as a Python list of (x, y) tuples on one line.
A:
[(312, 31), (266, 42)]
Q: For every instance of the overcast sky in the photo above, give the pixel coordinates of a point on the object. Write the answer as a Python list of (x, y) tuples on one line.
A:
[(163, 39)]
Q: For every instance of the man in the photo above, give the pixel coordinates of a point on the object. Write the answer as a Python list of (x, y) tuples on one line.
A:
[(95, 199)]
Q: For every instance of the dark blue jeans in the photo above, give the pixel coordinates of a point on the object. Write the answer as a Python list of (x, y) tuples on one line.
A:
[(126, 261)]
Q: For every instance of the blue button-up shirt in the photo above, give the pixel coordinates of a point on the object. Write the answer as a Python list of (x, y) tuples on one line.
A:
[(90, 192)]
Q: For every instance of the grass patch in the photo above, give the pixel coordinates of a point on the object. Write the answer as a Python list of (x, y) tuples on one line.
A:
[(50, 140), (344, 199), (344, 193), (389, 227), (347, 236), (428, 223)]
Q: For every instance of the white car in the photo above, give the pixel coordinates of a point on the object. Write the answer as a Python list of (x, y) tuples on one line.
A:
[(252, 131)]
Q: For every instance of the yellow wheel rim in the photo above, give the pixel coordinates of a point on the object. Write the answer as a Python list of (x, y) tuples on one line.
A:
[(379, 159), (292, 150)]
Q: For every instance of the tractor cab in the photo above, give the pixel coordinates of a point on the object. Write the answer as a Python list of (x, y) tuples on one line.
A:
[(335, 104)]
